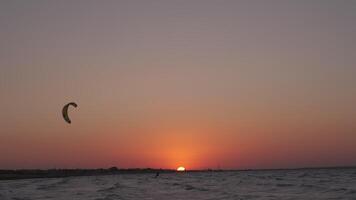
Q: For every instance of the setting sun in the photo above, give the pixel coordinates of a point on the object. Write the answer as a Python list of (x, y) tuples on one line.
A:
[(180, 169)]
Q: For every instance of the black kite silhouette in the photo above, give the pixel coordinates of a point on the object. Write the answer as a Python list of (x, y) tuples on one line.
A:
[(65, 111)]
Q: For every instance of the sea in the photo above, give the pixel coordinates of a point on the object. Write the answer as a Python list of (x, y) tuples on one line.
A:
[(312, 184)]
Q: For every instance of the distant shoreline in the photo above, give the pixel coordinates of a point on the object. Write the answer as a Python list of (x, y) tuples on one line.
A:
[(61, 173)]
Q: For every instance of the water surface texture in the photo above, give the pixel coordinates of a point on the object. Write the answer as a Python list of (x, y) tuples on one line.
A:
[(275, 184)]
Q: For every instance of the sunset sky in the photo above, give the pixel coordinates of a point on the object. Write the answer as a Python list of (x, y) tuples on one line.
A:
[(200, 84)]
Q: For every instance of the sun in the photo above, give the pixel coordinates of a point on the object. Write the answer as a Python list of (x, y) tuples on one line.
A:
[(181, 169)]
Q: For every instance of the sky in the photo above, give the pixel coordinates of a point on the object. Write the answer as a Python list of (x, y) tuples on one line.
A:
[(201, 84)]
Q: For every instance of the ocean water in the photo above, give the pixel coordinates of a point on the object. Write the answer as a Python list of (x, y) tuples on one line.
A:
[(275, 184)]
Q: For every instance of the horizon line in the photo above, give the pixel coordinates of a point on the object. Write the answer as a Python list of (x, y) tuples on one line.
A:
[(192, 170)]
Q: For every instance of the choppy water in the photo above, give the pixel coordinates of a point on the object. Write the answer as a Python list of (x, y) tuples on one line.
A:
[(277, 184)]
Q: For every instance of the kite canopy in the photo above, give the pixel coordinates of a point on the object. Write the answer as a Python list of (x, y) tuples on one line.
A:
[(65, 111)]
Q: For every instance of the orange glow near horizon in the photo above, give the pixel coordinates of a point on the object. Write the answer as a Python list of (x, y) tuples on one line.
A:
[(163, 86), (181, 169)]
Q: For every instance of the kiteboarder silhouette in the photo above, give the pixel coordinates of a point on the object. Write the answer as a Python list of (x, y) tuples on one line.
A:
[(157, 174)]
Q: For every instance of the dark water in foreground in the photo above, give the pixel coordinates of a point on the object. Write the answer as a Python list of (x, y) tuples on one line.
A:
[(276, 184)]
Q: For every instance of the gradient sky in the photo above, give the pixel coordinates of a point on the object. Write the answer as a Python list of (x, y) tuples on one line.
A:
[(203, 84)]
